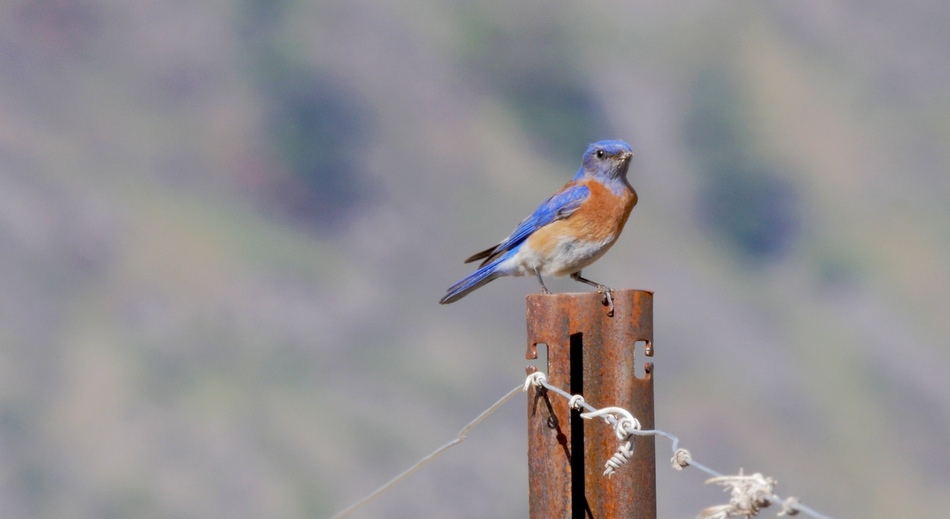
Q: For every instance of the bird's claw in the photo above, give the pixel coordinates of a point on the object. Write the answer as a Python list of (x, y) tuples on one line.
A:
[(608, 298)]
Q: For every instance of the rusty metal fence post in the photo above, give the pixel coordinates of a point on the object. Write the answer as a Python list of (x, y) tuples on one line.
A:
[(592, 354)]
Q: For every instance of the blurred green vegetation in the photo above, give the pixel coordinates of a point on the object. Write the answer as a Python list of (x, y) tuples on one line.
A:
[(532, 68), (319, 131), (744, 198), (318, 126)]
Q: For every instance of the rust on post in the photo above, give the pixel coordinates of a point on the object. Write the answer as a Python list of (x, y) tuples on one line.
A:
[(592, 354)]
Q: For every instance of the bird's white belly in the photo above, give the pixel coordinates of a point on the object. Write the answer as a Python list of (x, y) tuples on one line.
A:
[(566, 257)]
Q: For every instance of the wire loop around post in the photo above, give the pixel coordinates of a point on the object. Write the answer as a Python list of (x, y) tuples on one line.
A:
[(535, 379)]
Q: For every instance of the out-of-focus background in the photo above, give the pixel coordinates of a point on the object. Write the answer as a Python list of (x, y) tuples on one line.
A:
[(225, 227)]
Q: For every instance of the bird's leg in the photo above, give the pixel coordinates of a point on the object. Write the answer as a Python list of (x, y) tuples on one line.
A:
[(544, 289), (601, 289)]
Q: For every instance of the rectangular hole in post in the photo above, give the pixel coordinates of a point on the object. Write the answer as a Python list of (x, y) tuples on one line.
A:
[(542, 361)]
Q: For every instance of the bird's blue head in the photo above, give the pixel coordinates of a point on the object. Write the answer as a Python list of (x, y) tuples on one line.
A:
[(606, 161)]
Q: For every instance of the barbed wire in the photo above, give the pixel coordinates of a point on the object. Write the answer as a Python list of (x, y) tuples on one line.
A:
[(749, 493)]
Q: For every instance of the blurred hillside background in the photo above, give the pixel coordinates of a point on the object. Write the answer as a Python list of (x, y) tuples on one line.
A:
[(225, 227)]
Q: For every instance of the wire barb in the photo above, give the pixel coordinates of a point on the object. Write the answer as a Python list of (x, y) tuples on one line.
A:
[(681, 459), (749, 495), (790, 506)]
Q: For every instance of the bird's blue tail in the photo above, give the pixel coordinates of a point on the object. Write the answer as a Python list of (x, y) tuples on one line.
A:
[(475, 280)]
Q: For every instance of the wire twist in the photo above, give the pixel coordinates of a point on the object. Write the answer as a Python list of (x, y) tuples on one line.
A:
[(624, 423), (576, 402), (681, 459), (535, 379), (623, 455)]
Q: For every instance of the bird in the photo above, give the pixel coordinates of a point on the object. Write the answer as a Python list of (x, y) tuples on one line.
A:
[(567, 232)]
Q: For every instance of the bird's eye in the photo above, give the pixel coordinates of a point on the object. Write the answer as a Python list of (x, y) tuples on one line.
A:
[(600, 154)]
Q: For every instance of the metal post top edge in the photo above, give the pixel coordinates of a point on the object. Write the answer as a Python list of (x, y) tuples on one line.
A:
[(617, 292)]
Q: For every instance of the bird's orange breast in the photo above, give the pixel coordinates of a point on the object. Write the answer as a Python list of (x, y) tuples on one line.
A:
[(599, 219), (603, 215)]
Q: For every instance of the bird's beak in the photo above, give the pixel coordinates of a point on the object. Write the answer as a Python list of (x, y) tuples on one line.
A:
[(626, 156)]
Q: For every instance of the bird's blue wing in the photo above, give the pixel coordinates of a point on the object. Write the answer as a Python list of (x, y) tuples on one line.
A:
[(559, 206)]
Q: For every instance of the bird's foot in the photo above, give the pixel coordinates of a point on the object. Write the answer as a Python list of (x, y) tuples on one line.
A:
[(608, 301), (544, 289)]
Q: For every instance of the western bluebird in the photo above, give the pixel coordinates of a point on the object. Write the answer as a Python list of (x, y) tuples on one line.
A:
[(569, 231)]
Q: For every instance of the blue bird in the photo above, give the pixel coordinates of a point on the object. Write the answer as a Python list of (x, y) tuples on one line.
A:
[(569, 231)]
